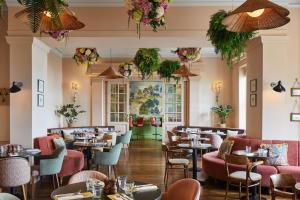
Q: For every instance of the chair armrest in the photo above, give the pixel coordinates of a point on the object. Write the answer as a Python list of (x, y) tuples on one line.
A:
[(255, 164)]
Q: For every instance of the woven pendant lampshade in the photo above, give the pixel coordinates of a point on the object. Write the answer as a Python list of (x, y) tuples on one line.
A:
[(110, 73), (256, 15), (183, 72)]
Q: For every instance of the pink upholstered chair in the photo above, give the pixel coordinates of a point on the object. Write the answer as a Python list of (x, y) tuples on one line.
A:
[(187, 189), (83, 176)]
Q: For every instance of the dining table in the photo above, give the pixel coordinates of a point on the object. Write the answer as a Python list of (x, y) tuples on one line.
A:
[(151, 192), (254, 157), (24, 153), (195, 148)]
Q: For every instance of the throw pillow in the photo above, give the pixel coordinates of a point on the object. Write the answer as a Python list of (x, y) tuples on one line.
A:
[(278, 154), (232, 133), (68, 135), (225, 148), (59, 142)]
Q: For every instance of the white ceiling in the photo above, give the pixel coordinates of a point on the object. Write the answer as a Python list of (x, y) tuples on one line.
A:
[(174, 3)]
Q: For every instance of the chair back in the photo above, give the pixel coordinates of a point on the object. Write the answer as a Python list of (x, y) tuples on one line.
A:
[(53, 164), (140, 121), (237, 160), (282, 181), (215, 141), (153, 121), (83, 176), (171, 137), (109, 158), (187, 189), (130, 121), (14, 172), (125, 139), (7, 196)]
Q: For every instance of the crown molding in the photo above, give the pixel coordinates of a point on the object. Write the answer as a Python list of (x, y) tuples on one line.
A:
[(179, 3)]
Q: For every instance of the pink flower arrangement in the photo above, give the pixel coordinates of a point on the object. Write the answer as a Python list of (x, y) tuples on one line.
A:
[(86, 56), (188, 55), (59, 35), (147, 12)]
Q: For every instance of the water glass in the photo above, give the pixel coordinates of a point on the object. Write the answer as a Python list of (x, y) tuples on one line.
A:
[(248, 149), (90, 185), (2, 149), (97, 190), (122, 181), (129, 186)]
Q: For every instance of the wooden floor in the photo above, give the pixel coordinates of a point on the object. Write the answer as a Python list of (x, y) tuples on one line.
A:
[(145, 162)]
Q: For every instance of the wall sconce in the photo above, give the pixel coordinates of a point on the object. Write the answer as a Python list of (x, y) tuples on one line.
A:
[(4, 92), (278, 87), (217, 88), (74, 87)]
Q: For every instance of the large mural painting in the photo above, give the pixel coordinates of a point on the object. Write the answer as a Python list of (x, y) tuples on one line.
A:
[(146, 98)]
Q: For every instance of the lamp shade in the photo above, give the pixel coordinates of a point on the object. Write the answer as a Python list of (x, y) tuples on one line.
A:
[(110, 73), (16, 87), (256, 15), (183, 71)]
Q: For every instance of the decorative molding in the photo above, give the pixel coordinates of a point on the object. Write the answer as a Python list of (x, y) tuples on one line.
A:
[(41, 45), (118, 3)]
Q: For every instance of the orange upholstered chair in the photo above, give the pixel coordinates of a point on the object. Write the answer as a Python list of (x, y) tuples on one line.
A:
[(187, 189)]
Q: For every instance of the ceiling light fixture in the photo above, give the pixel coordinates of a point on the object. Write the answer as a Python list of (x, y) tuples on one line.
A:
[(110, 72)]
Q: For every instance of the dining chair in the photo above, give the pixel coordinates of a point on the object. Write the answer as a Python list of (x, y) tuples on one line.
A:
[(279, 185), (173, 161), (109, 158), (110, 138), (241, 179), (7, 196), (140, 124), (48, 165), (187, 189), (83, 176), (15, 172), (125, 140)]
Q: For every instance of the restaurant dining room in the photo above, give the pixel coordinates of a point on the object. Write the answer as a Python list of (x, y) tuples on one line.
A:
[(149, 99)]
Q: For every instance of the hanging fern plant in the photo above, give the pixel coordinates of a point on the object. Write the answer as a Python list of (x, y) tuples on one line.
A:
[(147, 61), (167, 68), (230, 44)]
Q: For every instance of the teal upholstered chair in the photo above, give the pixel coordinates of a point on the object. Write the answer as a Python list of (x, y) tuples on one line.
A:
[(6, 196), (109, 159), (125, 139), (48, 165)]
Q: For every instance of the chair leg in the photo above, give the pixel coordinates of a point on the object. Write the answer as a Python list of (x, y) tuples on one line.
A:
[(57, 180), (61, 180), (167, 176), (109, 172), (247, 191), (53, 182), (32, 187), (115, 171), (259, 191), (227, 188), (240, 190), (24, 192)]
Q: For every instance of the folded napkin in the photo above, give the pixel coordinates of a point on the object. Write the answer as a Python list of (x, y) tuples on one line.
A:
[(72, 196), (144, 188), (119, 197)]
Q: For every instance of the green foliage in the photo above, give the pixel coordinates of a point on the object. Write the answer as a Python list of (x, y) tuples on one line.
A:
[(223, 112), (147, 61), (230, 44), (35, 10), (167, 68), (70, 112)]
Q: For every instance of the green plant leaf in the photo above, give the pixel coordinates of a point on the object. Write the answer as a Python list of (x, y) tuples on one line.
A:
[(167, 68)]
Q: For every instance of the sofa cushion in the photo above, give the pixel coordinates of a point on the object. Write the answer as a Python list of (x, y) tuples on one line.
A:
[(292, 151), (279, 153), (45, 144), (59, 142), (232, 133), (239, 143), (225, 148), (294, 170)]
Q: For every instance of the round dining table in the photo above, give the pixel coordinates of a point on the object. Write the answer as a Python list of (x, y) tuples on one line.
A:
[(139, 195), (195, 148), (25, 153)]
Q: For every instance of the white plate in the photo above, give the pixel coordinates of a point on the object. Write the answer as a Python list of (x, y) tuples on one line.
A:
[(33, 150)]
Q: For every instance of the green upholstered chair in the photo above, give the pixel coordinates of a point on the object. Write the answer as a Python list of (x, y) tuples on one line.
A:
[(125, 140), (48, 165), (109, 159), (6, 196)]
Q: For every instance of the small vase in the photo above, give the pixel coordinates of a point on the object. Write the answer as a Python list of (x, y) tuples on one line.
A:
[(223, 125), (69, 125)]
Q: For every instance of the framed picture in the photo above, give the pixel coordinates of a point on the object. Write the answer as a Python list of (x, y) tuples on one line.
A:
[(295, 92), (40, 87), (253, 85), (40, 100), (253, 99), (295, 117)]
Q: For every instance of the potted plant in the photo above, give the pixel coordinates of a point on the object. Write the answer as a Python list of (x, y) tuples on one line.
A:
[(147, 61), (70, 112), (223, 113), (231, 45), (167, 68)]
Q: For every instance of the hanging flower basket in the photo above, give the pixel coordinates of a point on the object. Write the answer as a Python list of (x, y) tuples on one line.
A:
[(126, 69), (188, 55), (86, 56), (147, 12)]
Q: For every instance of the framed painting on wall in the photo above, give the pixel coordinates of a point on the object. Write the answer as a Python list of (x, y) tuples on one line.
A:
[(253, 85), (295, 117), (40, 86), (40, 100), (295, 92), (253, 99)]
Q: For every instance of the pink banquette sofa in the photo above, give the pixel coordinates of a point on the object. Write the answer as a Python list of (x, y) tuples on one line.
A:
[(73, 161), (215, 167)]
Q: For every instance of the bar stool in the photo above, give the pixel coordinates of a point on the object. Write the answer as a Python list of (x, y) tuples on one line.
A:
[(156, 123)]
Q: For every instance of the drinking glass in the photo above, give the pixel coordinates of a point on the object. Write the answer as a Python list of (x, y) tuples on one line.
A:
[(248, 149), (129, 186), (2, 149), (90, 185), (122, 181), (97, 190)]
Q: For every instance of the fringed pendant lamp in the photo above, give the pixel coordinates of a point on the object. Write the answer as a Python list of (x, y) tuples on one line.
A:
[(110, 73), (256, 15), (183, 72)]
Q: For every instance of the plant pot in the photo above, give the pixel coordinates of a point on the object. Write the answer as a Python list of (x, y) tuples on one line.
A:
[(223, 125), (69, 125)]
